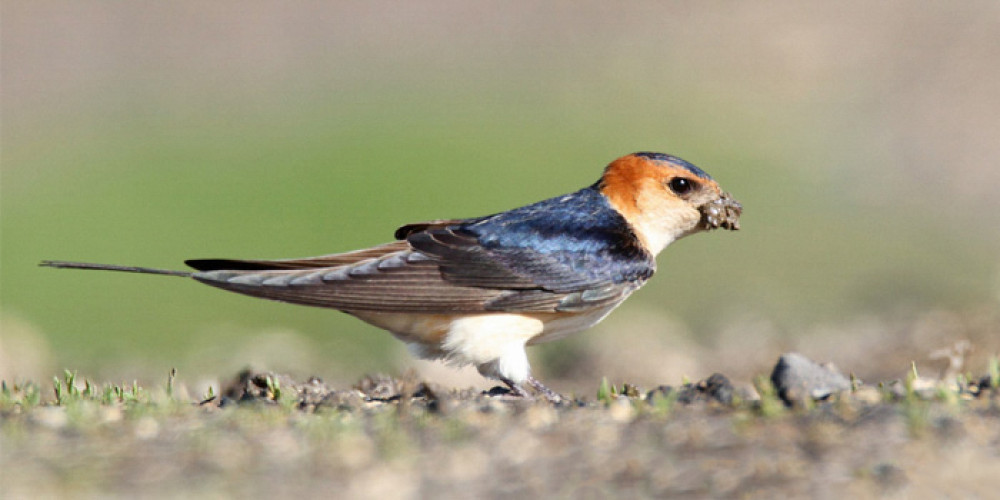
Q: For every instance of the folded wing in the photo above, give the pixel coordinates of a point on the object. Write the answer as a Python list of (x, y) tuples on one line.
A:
[(439, 267)]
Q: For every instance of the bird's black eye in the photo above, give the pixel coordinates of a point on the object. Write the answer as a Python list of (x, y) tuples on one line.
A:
[(681, 186)]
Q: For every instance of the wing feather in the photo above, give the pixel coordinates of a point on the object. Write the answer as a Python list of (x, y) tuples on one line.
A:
[(519, 261)]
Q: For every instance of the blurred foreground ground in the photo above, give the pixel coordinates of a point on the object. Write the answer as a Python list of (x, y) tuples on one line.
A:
[(860, 138), (272, 437)]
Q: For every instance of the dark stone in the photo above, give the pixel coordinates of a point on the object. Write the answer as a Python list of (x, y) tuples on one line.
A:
[(798, 378), (499, 390), (662, 390), (985, 384), (715, 388)]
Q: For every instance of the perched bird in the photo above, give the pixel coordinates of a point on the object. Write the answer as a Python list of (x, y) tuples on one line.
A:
[(478, 291)]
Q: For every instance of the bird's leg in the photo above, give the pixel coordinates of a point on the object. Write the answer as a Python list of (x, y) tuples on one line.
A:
[(515, 389), (549, 394)]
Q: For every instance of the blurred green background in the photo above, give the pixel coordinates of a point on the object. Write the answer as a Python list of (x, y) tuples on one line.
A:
[(862, 140)]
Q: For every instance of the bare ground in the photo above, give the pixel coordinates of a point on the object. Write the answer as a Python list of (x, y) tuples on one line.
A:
[(268, 435)]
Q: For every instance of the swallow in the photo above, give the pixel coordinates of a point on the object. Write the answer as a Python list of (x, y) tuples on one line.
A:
[(479, 290)]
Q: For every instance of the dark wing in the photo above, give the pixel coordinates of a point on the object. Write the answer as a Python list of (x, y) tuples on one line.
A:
[(518, 261), (417, 227), (437, 271)]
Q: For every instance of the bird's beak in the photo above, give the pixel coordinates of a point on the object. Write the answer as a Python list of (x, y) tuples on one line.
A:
[(722, 212)]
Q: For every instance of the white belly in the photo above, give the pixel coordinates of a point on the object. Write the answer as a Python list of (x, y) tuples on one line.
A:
[(494, 342)]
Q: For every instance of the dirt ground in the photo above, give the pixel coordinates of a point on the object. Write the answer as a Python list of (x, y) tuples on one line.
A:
[(268, 435)]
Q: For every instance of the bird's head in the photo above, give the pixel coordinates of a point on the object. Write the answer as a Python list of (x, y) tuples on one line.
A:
[(665, 198)]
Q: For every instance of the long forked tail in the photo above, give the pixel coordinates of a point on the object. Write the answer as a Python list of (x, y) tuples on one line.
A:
[(110, 267)]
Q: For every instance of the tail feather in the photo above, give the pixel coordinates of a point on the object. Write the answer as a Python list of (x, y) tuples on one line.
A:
[(60, 264)]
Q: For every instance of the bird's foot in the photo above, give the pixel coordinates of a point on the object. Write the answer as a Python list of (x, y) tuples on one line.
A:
[(516, 389), (519, 391), (553, 396)]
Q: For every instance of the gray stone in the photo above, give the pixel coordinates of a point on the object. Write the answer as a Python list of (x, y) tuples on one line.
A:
[(797, 378)]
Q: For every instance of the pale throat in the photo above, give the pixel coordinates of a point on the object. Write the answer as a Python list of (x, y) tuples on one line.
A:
[(660, 222)]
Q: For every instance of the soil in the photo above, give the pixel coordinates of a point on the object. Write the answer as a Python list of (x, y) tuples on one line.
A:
[(269, 435)]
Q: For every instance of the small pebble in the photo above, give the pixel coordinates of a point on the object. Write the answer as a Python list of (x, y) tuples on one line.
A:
[(797, 378)]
